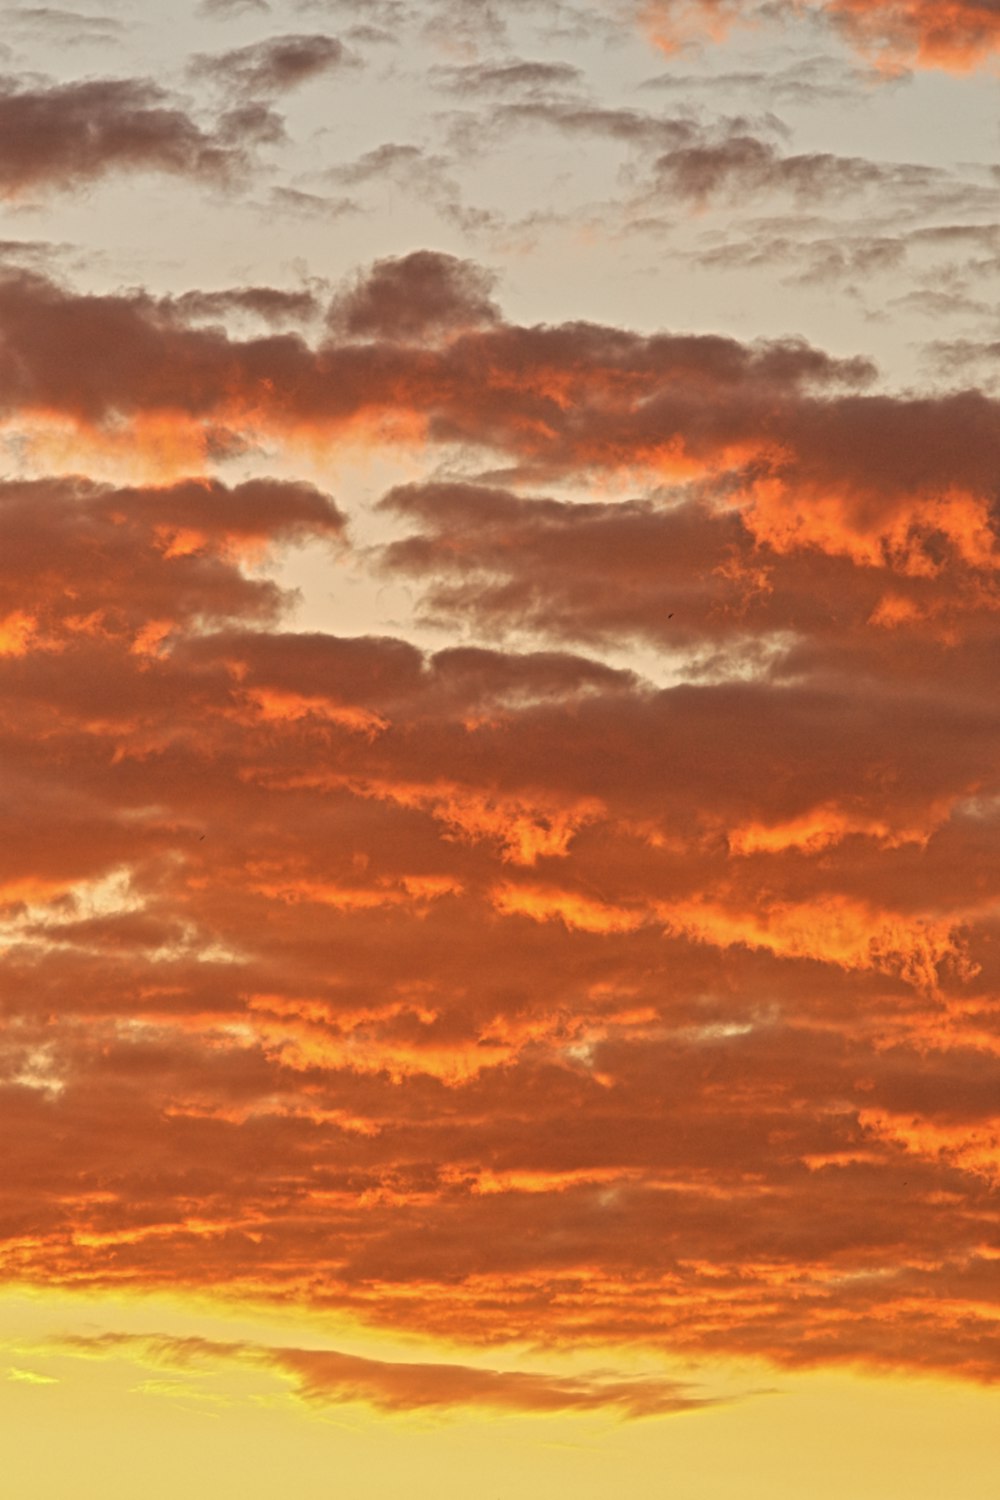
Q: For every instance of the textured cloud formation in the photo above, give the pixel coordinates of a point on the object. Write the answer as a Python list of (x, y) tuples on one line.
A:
[(561, 397), (953, 34), (424, 985), (764, 427), (327, 1376), (496, 992)]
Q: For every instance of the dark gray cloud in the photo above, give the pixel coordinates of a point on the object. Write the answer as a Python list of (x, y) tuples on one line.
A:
[(275, 66), (298, 202), (272, 305), (412, 297), (739, 165), (225, 8), (387, 160), (965, 359), (512, 76), (810, 80), (65, 135)]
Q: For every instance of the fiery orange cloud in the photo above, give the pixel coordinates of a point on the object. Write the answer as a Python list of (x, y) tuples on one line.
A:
[(575, 910), (17, 631), (497, 992), (957, 35)]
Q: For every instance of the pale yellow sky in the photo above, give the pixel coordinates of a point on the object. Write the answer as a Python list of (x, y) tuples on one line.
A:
[(114, 1427)]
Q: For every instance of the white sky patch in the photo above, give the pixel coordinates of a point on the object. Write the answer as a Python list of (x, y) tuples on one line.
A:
[(716, 1031), (109, 895), (47, 925), (39, 1070)]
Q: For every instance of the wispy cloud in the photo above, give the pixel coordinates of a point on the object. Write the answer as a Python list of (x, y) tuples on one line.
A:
[(323, 1377)]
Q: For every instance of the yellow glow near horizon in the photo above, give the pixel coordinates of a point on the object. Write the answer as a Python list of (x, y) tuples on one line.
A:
[(126, 1427)]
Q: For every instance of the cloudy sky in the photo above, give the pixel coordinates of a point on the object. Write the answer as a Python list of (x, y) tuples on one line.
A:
[(499, 899)]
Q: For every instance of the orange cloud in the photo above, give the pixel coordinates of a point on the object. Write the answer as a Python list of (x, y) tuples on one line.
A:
[(975, 1150), (834, 930), (822, 827), (575, 910), (956, 35), (501, 993), (17, 631)]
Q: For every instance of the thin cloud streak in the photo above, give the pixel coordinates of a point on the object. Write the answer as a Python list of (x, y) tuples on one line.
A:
[(322, 1377), (275, 66)]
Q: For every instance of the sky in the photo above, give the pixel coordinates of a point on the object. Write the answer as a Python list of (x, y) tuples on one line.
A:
[(499, 601)]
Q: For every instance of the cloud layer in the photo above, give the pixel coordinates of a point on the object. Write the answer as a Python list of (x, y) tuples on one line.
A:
[(572, 921), (498, 992)]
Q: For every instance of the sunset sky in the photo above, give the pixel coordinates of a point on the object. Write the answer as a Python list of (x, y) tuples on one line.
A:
[(500, 796)]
